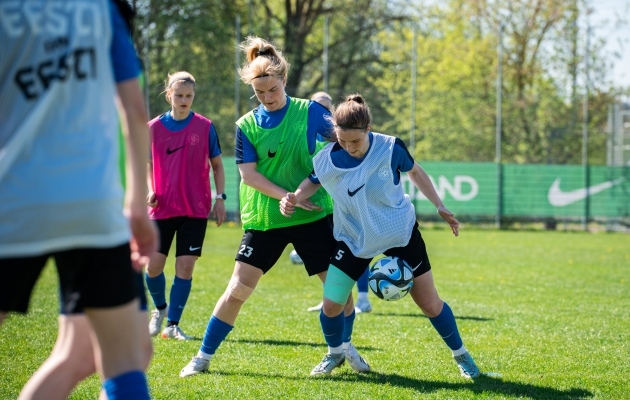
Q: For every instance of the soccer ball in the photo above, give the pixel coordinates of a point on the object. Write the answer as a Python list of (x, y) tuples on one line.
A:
[(295, 258), (390, 278)]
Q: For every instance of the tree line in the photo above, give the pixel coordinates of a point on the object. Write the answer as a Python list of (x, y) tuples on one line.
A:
[(370, 46)]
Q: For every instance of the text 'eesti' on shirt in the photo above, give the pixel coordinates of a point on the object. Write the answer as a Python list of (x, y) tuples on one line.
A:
[(372, 212), (284, 157), (180, 151), (59, 179)]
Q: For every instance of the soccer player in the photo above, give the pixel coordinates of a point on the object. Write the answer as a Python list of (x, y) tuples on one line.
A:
[(184, 145), (275, 143), (363, 304), (373, 216), (60, 191)]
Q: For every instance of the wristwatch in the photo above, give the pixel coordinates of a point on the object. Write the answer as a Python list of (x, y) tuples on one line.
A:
[(220, 196)]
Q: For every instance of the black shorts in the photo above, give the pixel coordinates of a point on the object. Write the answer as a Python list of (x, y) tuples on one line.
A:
[(88, 278), (141, 293), (190, 235), (314, 243), (415, 253)]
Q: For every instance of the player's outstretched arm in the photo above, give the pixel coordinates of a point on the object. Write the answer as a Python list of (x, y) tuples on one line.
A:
[(133, 117), (300, 198), (421, 180), (218, 210)]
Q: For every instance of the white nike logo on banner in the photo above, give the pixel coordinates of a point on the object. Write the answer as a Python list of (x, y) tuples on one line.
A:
[(194, 248), (558, 198)]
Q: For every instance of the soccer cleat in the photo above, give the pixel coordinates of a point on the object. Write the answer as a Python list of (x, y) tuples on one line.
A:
[(317, 307), (157, 319), (355, 360), (328, 363), (174, 332), (467, 366), (194, 367), (362, 306)]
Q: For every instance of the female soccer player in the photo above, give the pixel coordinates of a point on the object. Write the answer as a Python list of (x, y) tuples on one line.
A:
[(363, 304), (275, 143), (182, 143), (60, 192), (373, 216)]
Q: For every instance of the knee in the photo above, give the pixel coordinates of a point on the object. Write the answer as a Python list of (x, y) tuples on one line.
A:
[(332, 309), (237, 291), (432, 307)]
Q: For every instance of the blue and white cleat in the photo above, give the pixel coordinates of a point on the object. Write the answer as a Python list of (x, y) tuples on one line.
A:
[(328, 363), (467, 366)]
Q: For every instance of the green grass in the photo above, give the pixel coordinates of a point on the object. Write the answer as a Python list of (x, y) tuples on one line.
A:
[(549, 311)]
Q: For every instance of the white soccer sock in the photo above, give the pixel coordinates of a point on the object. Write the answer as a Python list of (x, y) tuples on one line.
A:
[(204, 355), (459, 351), (363, 296), (335, 350), (345, 345)]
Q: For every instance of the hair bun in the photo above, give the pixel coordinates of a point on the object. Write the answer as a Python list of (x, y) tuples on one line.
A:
[(356, 98)]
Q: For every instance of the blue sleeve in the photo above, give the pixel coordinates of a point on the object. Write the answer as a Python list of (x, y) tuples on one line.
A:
[(401, 159), (244, 150), (124, 58), (214, 145), (319, 125), (313, 178)]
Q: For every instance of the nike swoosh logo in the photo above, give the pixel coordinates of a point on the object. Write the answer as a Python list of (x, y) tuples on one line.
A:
[(194, 248), (416, 267), (353, 192), (169, 151), (558, 198), (270, 154)]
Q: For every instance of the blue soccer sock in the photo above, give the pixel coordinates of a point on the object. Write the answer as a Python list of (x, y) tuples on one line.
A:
[(179, 296), (131, 385), (216, 332), (362, 283), (157, 289), (446, 326), (347, 327), (333, 329)]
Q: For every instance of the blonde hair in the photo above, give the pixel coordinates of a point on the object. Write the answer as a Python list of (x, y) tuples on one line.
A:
[(179, 76), (262, 59), (353, 113)]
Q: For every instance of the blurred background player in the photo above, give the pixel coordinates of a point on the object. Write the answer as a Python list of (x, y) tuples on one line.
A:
[(374, 216), (281, 131), (60, 191), (182, 143), (76, 354), (363, 304)]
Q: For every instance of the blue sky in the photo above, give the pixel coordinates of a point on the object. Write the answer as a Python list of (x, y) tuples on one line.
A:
[(618, 38)]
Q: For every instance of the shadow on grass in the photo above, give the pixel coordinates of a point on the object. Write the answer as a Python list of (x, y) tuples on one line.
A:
[(482, 385), (418, 315), (291, 343)]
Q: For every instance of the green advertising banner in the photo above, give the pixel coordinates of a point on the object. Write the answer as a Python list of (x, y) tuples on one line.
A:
[(532, 191)]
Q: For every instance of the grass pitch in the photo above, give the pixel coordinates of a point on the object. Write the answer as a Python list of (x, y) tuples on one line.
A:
[(547, 314)]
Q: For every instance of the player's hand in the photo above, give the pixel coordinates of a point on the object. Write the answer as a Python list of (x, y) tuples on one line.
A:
[(308, 205), (450, 218), (287, 204), (151, 200), (218, 211), (144, 239)]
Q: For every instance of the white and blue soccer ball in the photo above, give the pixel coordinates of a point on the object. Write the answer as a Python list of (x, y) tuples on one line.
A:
[(295, 258), (390, 278)]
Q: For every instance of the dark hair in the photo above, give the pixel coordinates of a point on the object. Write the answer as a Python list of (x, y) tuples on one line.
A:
[(127, 12), (353, 113)]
